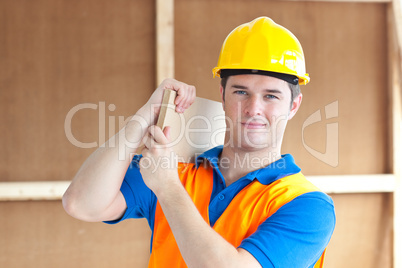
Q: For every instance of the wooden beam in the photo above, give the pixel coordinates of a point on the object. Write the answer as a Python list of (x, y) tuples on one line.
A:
[(397, 14), (167, 102), (346, 1), (164, 40), (200, 128), (345, 184), (395, 118), (340, 184), (38, 190)]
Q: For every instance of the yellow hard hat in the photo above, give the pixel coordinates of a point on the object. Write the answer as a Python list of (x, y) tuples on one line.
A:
[(263, 45)]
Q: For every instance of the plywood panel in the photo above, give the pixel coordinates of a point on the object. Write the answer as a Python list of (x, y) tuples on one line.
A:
[(346, 56), (59, 54), (362, 236), (96, 56), (41, 234)]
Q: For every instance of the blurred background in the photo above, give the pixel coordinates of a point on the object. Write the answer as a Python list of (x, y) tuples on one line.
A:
[(57, 54)]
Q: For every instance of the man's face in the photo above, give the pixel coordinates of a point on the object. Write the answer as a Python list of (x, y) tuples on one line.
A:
[(257, 110)]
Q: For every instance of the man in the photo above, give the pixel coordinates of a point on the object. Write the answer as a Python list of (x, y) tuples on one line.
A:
[(240, 205)]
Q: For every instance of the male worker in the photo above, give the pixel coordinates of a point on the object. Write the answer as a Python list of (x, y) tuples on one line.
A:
[(240, 205)]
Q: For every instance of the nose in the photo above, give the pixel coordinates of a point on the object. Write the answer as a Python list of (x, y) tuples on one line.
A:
[(253, 106)]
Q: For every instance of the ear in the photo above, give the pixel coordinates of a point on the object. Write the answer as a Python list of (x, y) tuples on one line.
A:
[(295, 106), (222, 97)]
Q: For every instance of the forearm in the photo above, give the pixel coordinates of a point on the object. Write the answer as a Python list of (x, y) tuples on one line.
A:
[(94, 193), (199, 244), (98, 181)]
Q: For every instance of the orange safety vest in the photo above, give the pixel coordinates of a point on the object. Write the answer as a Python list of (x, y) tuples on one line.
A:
[(248, 209)]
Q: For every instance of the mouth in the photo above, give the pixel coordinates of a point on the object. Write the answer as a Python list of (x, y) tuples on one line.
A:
[(254, 125)]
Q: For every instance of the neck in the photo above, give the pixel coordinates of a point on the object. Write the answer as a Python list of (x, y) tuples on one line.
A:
[(235, 162)]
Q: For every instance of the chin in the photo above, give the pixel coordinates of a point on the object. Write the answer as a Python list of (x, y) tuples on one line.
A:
[(259, 140), (255, 144)]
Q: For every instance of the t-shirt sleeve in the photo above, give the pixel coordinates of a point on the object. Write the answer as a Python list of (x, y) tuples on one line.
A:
[(296, 234), (140, 200)]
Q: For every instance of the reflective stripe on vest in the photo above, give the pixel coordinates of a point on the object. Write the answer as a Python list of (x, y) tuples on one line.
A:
[(248, 209)]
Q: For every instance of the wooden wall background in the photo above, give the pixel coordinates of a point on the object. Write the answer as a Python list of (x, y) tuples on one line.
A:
[(56, 54)]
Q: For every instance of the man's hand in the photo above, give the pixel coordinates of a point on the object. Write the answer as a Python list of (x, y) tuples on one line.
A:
[(158, 165), (184, 98), (94, 194)]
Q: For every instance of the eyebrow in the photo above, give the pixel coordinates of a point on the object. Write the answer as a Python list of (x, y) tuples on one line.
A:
[(239, 87), (276, 91)]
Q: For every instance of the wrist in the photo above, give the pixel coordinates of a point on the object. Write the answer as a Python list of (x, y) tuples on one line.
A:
[(171, 189)]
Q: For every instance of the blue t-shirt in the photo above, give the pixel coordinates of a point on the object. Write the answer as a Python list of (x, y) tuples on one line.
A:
[(294, 236)]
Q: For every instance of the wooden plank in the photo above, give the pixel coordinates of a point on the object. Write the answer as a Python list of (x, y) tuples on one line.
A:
[(344, 184), (337, 184), (38, 190), (199, 128), (397, 12), (395, 115), (164, 40), (168, 100), (346, 1)]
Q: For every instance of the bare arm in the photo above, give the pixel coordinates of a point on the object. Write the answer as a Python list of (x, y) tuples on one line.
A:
[(94, 194), (199, 244)]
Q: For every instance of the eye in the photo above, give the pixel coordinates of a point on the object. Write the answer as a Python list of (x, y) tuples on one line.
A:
[(270, 96), (240, 92)]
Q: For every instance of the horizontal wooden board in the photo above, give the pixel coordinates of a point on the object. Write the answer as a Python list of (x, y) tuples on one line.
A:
[(332, 184)]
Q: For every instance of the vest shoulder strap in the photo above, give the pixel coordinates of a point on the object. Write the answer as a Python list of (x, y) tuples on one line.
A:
[(257, 202)]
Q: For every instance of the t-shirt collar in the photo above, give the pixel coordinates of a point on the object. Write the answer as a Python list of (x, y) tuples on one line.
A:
[(283, 167)]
